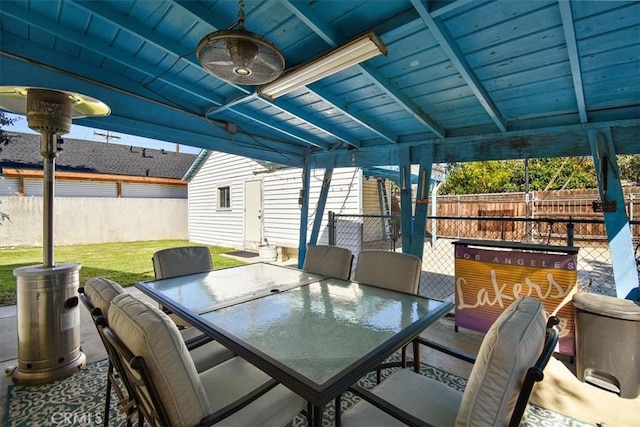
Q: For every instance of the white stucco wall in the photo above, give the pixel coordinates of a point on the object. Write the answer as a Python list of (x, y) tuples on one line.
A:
[(80, 220)]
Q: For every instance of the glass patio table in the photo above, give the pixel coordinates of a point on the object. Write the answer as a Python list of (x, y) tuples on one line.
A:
[(202, 292), (317, 338)]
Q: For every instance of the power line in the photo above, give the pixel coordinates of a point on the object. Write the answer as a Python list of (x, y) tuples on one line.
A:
[(106, 136)]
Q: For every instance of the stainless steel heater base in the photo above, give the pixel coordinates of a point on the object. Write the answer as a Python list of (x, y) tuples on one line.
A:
[(48, 323)]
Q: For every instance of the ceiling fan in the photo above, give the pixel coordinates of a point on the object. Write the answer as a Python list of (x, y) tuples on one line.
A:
[(236, 55)]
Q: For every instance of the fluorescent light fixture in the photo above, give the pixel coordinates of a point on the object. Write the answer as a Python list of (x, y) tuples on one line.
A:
[(352, 53)]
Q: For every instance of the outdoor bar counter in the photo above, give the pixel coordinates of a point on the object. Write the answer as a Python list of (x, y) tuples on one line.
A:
[(489, 275)]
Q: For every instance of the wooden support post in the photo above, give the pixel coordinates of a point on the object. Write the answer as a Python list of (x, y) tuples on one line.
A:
[(406, 209), (613, 207), (322, 202), (304, 213), (422, 200)]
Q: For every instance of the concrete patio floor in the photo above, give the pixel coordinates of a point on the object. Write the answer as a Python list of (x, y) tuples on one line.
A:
[(560, 391)]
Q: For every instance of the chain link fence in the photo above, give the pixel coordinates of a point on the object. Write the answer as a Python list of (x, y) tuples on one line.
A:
[(595, 272)]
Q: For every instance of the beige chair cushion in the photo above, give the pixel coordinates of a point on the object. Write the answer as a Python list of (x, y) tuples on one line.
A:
[(331, 261), (101, 292), (425, 398), (512, 345), (391, 270), (149, 333), (237, 377), (179, 261)]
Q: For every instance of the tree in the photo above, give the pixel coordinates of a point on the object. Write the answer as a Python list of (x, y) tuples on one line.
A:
[(503, 176), (4, 136), (629, 166)]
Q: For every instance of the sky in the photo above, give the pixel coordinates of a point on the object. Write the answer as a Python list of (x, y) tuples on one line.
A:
[(91, 134)]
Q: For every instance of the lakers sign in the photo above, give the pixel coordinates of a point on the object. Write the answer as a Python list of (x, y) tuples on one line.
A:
[(487, 281)]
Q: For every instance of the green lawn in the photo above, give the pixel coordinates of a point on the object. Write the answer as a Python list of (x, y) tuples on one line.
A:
[(125, 263)]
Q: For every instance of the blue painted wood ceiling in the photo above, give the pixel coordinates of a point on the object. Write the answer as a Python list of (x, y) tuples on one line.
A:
[(475, 80)]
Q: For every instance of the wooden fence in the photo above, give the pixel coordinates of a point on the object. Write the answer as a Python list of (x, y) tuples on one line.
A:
[(548, 210)]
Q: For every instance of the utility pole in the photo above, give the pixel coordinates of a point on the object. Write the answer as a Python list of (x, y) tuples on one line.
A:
[(106, 136)]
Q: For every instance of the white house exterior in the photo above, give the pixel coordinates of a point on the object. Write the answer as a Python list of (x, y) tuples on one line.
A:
[(238, 202)]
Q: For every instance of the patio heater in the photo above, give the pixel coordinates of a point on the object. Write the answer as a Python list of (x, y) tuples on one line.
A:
[(48, 313)]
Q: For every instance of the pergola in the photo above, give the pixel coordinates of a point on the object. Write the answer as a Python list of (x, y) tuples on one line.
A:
[(455, 81)]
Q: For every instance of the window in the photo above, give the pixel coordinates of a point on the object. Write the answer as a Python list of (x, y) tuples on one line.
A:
[(224, 197)]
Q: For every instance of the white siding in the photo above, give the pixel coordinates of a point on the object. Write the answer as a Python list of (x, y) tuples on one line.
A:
[(207, 223), (281, 212)]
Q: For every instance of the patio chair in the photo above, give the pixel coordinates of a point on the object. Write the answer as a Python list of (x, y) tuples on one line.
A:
[(511, 359), (391, 270), (178, 261), (205, 352), (182, 260), (96, 296), (328, 260), (170, 391), (126, 402)]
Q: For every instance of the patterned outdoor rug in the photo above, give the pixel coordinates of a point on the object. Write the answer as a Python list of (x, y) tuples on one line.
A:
[(79, 401), (243, 254)]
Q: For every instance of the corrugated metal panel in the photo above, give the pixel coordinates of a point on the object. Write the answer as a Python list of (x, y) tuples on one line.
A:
[(86, 189), (9, 186), (65, 188), (153, 191), (33, 187)]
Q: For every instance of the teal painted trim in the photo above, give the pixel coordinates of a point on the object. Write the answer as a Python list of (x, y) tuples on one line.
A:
[(322, 202), (406, 218), (422, 201), (518, 144), (457, 58), (196, 165), (304, 213), (332, 37), (574, 57), (616, 223)]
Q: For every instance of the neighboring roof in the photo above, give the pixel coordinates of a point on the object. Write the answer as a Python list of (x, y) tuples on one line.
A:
[(23, 152)]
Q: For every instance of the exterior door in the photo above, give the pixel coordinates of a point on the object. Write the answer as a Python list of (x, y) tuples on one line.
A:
[(252, 214)]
